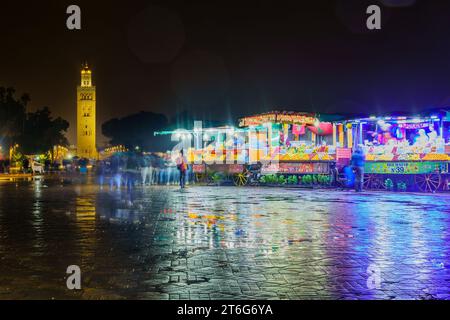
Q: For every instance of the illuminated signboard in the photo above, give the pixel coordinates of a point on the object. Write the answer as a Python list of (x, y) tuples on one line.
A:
[(290, 118), (228, 168), (235, 168), (295, 168), (405, 167), (343, 156), (343, 153), (416, 126), (198, 168), (447, 116)]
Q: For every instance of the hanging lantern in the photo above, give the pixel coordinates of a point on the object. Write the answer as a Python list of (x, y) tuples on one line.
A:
[(322, 129)]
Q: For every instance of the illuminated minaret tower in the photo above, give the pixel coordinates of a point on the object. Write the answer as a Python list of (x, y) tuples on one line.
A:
[(86, 99)]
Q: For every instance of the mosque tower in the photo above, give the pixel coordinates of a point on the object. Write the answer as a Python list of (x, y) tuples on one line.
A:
[(86, 116)]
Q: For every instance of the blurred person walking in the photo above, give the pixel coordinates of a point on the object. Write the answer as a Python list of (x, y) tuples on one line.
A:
[(358, 161), (182, 167)]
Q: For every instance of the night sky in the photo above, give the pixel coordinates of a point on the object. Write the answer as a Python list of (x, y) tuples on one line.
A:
[(225, 59)]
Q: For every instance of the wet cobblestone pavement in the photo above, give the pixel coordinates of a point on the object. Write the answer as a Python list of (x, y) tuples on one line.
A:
[(221, 243)]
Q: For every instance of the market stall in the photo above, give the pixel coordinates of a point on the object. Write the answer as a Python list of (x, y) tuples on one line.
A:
[(293, 147), (216, 155), (404, 152), (275, 148)]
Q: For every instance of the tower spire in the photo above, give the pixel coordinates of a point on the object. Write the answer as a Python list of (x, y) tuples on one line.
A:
[(86, 76)]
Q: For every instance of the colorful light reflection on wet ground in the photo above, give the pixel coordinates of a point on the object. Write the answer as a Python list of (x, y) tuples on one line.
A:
[(221, 243)]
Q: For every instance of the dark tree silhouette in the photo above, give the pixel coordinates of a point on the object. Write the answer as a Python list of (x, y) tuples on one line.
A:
[(12, 116), (137, 131), (42, 132), (35, 132)]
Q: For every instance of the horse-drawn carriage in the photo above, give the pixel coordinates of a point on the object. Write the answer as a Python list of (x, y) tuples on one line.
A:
[(36, 167)]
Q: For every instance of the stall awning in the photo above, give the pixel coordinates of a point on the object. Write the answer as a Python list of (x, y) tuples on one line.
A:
[(299, 118)]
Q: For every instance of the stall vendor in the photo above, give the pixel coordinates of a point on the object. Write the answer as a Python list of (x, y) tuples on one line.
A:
[(422, 138), (323, 147), (432, 136), (388, 138), (376, 138)]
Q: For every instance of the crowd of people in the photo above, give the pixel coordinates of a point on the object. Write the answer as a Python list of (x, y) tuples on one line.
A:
[(129, 169)]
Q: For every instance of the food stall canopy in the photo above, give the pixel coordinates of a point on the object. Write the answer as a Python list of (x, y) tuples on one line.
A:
[(223, 129), (400, 116), (298, 118)]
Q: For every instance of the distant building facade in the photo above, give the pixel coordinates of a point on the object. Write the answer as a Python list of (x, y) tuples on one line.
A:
[(86, 116)]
